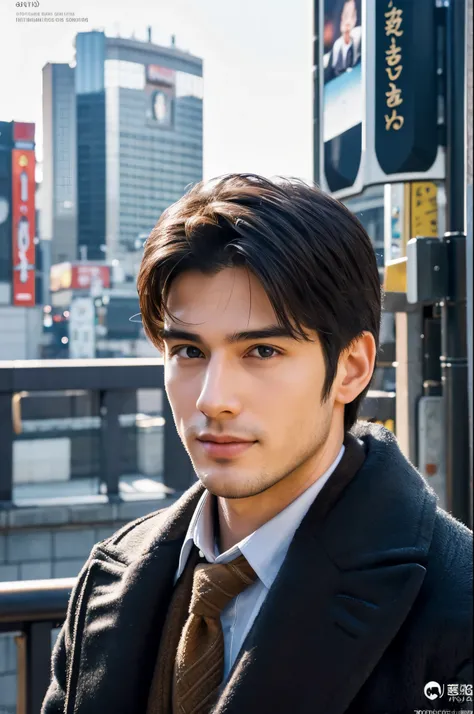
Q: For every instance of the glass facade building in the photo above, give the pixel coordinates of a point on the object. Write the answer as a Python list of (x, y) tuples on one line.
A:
[(59, 186), (139, 137)]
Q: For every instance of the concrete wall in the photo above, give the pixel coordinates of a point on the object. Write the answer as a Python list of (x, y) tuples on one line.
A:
[(52, 542)]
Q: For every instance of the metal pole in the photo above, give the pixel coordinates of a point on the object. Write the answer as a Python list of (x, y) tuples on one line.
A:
[(455, 154), (469, 246), (454, 367), (6, 450), (455, 379), (316, 107)]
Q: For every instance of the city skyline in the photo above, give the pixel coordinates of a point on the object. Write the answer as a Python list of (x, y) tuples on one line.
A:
[(257, 78)]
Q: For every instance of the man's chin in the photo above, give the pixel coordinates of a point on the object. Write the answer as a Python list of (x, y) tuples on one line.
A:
[(227, 482)]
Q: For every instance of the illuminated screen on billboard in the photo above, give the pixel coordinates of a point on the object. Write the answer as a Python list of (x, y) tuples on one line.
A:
[(160, 91), (23, 215), (342, 92), (79, 276)]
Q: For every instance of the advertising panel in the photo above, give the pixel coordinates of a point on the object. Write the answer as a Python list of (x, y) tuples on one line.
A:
[(342, 93), (79, 276), (89, 276), (379, 94), (403, 89), (60, 277), (160, 91), (24, 132), (23, 215)]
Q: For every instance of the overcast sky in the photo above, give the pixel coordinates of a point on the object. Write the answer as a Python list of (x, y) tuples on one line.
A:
[(257, 70)]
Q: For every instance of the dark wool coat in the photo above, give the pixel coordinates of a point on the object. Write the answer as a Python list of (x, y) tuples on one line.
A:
[(373, 601)]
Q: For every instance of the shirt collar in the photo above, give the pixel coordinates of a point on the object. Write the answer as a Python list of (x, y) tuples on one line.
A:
[(266, 548)]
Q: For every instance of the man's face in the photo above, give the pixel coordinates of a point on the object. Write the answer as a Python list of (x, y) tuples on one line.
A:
[(348, 18), (265, 391)]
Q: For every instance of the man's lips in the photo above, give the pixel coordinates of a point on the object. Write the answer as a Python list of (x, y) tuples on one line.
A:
[(224, 449)]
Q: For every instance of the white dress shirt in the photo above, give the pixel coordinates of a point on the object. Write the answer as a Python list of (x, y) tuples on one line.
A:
[(264, 549)]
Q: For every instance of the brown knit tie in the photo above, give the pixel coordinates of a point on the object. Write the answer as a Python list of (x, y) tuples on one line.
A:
[(199, 666)]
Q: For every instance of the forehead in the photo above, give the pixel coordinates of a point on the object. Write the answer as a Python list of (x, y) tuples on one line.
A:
[(233, 297)]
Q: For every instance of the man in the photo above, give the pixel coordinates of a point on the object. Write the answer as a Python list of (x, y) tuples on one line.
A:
[(346, 51), (308, 569)]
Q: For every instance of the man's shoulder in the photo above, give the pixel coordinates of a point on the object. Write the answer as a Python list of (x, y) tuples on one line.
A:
[(449, 576)]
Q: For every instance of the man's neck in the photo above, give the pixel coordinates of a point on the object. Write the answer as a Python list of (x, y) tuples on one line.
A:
[(235, 519)]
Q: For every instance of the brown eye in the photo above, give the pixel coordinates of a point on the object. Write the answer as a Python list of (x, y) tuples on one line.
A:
[(186, 351), (265, 352)]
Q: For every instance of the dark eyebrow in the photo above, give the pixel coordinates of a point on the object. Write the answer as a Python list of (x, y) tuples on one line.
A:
[(172, 333)]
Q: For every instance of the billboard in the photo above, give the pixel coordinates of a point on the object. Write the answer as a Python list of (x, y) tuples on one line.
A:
[(379, 92), (24, 132), (160, 93), (23, 221), (342, 99), (79, 276)]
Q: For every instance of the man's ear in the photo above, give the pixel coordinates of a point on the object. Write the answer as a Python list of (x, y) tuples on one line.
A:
[(355, 369)]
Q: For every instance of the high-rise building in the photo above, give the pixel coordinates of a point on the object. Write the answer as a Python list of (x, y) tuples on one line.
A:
[(59, 185), (6, 147), (139, 137)]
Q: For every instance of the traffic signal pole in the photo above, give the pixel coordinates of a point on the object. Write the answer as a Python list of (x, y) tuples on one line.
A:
[(454, 363)]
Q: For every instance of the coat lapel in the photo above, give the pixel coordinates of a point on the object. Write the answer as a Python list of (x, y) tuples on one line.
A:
[(125, 601), (349, 579)]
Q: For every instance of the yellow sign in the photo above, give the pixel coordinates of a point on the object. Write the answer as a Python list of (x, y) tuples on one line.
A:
[(395, 276), (424, 209)]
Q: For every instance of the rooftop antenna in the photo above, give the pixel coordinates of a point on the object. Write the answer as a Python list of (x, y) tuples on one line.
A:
[(149, 33), (173, 40)]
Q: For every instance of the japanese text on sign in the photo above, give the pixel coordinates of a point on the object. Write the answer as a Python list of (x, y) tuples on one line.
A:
[(394, 67)]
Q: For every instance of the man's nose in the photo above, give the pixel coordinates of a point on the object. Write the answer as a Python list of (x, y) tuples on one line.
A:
[(219, 390)]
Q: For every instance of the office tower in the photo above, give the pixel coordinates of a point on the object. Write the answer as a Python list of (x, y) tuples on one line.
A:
[(59, 186), (139, 137)]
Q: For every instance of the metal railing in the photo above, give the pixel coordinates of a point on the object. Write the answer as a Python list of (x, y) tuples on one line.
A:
[(111, 380), (33, 609)]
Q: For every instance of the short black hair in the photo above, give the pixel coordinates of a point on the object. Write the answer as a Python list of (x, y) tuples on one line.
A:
[(311, 254)]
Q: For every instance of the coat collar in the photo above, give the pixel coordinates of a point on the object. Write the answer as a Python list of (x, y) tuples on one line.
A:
[(351, 574)]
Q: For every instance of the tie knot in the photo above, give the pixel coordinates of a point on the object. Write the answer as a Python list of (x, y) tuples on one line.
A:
[(216, 584)]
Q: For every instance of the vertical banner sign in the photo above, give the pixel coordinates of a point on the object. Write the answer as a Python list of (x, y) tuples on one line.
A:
[(23, 195), (378, 94), (342, 94), (406, 119)]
